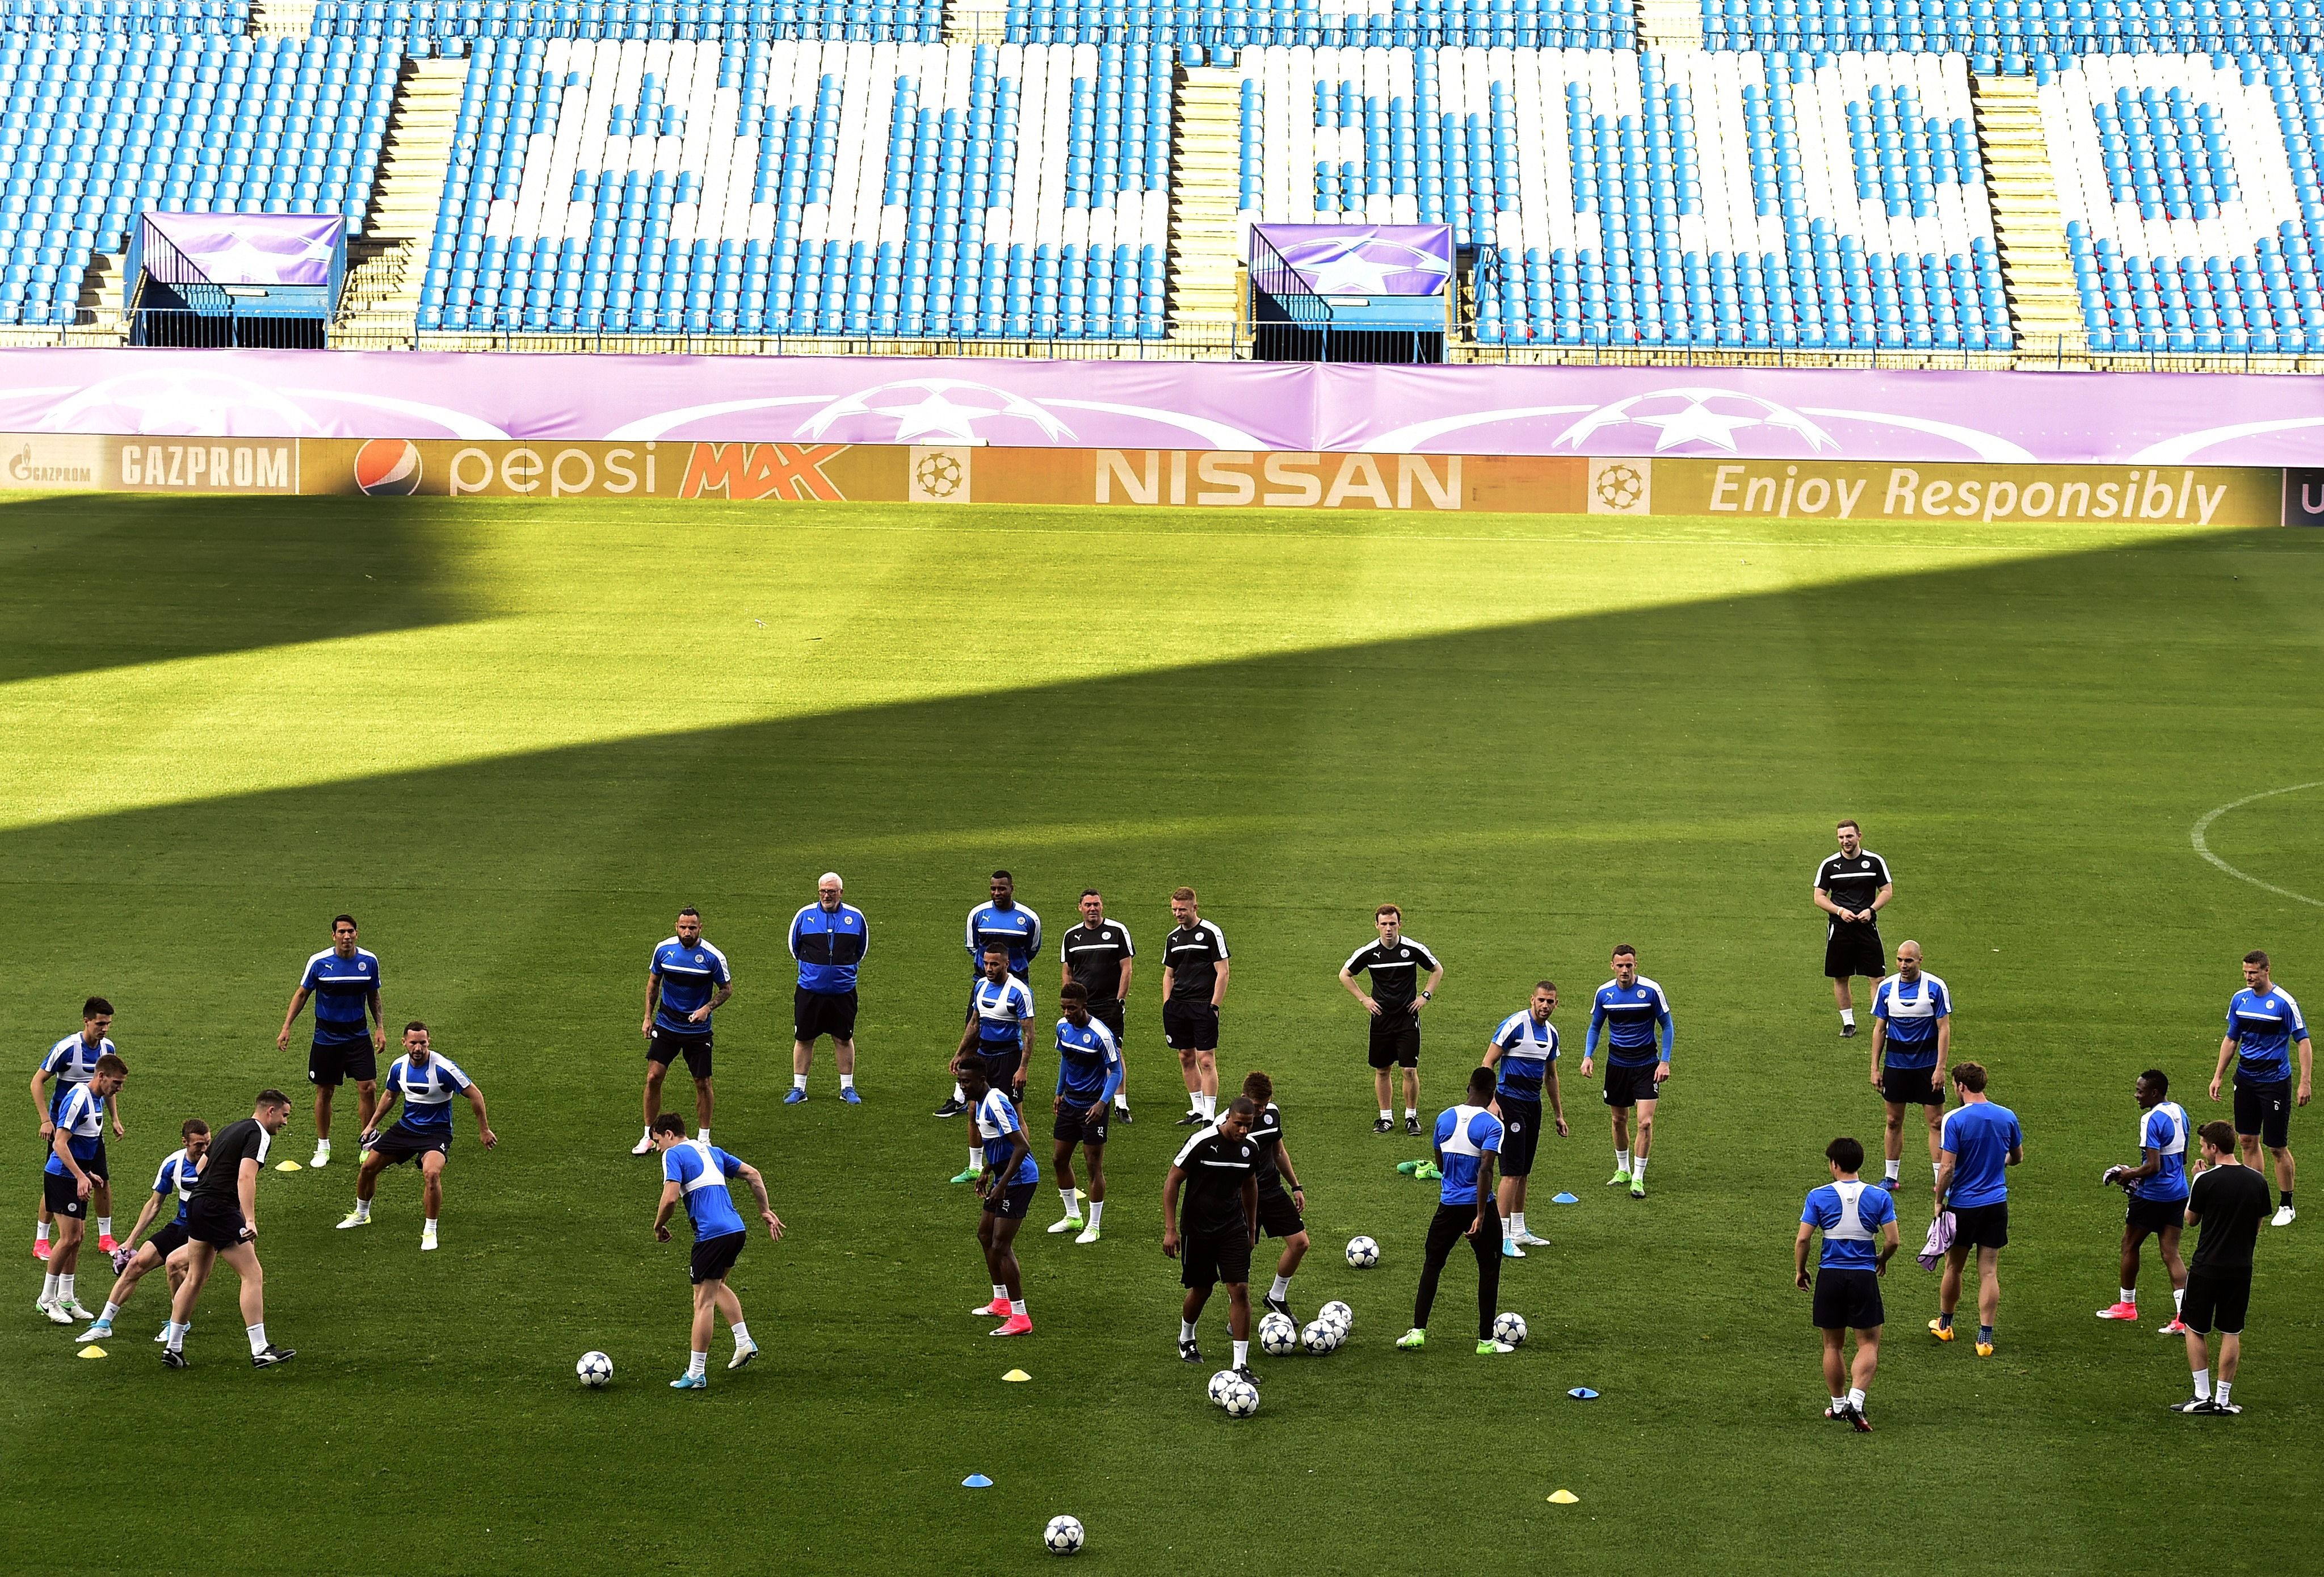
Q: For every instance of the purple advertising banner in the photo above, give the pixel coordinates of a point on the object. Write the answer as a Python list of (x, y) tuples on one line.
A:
[(1362, 260), (1700, 412), (245, 249)]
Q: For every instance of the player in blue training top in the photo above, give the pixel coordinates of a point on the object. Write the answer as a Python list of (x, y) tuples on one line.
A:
[(2264, 1028), (1848, 1275), (1000, 1031), (428, 1083), (69, 1178), (1089, 1073), (134, 1261), (1635, 1017), (829, 937), (1001, 921), (1980, 1142), (1468, 1142), (686, 982), (1911, 1037), (72, 1061), (343, 979), (1524, 1047), (2157, 1187), (695, 1172), (1005, 1183)]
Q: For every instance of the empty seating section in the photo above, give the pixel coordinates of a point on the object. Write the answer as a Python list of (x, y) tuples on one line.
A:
[(100, 126), (2015, 36), (1210, 30), (2191, 195), (445, 26), (807, 187), (180, 16)]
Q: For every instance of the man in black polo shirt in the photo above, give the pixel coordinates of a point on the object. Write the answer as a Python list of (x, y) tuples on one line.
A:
[(222, 1224), (1851, 888), (1194, 983), (1397, 997), (1097, 956), (1217, 1172), (2229, 1200)]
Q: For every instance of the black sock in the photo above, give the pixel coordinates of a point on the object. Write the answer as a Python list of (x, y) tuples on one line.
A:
[(2287, 1200)]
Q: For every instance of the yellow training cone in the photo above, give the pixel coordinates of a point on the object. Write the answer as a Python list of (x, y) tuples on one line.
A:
[(92, 1351), (1565, 1498), (1016, 1375), (289, 1166)]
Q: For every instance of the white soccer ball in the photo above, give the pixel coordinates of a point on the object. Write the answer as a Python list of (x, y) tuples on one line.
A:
[(1362, 1253), (594, 1369), (1509, 1328), (1277, 1336), (1339, 1315), (1319, 1338), (1220, 1382), (1063, 1536), (1242, 1400)]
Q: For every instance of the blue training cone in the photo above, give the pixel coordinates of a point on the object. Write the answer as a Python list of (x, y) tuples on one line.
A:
[(1563, 1199), (976, 1481), (1583, 1394)]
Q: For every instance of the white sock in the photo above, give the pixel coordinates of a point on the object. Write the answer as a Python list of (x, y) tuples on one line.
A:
[(1211, 1108), (175, 1335), (1855, 1397), (322, 1147), (40, 1232), (1282, 1288), (1638, 1170), (742, 1334), (362, 1210), (1017, 1308), (2130, 1295), (1067, 1196), (798, 1081), (65, 1289), (649, 1133), (959, 1094), (105, 1226), (1621, 1160), (695, 1364), (1516, 1223), (999, 1293), (1242, 1355), (257, 1338), (2202, 1385), (975, 1159), (1838, 1403), (2221, 1391), (1096, 1211), (48, 1287), (1186, 1330), (1895, 1171), (1120, 1101), (1387, 1115), (1409, 1114), (1848, 1017), (846, 1082), (2178, 1300), (111, 1309), (429, 1229), (703, 1133)]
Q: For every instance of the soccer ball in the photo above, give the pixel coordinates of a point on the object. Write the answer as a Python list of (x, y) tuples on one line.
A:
[(1362, 1253), (1319, 1338), (1277, 1336), (594, 1369), (1063, 1536), (1220, 1384), (1509, 1328), (1242, 1400), (1337, 1314)]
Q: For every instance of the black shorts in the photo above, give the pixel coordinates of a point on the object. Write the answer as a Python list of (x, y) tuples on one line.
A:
[(815, 1013), (1627, 1084), (1848, 1300), (2216, 1299), (1279, 1216), (95, 1166), (1012, 1203), (216, 1221), (668, 1045), (1520, 1132), (62, 1195), (2152, 1215), (1074, 1127), (169, 1240), (2264, 1110), (400, 1144), (1207, 1259), (334, 1063), (1190, 1025), (1001, 1068), (714, 1256), (1981, 1226), (1107, 1010), (1854, 949), (1396, 1040), (1911, 1086)]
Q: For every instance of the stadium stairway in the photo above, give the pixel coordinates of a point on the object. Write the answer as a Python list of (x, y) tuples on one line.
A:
[(1670, 25), (1206, 244), (281, 18), (2044, 299), (387, 266)]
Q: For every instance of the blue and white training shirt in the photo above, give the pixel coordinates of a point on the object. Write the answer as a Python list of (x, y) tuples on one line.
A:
[(427, 1090), (177, 1177), (2264, 1026), (1849, 1215), (81, 1119), (701, 1171), (342, 988), (830, 945), (996, 1119), (2163, 1128), (1089, 1063), (73, 1061), (1465, 1136), (1000, 1010), (1527, 1049), (1635, 1019), (1911, 1008), (1979, 1136), (690, 976), (1016, 927)]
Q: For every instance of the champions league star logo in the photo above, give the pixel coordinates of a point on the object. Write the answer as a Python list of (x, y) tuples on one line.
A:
[(924, 410), (1365, 262), (1712, 417)]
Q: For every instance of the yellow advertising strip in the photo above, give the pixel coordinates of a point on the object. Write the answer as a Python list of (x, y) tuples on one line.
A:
[(2190, 495)]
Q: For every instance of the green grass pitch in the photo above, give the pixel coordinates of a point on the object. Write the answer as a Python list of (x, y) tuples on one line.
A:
[(515, 740)]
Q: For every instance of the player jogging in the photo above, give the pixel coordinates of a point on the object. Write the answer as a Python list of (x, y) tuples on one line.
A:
[(136, 1261), (1852, 887), (1005, 1183), (999, 920), (694, 1171), (999, 1033), (1468, 1140), (1098, 956), (2157, 1187), (2263, 1027), (69, 1177), (2227, 1201), (1210, 1220), (829, 937), (1635, 1017), (1194, 971), (1980, 1142), (687, 981), (1282, 1202), (1846, 1286), (1395, 961), (222, 1224), (1089, 1071), (1911, 1037), (71, 1062), (343, 980), (427, 1083), (1525, 1049)]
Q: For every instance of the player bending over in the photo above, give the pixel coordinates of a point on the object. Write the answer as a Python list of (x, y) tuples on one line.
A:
[(135, 1259), (696, 1171), (1282, 1203)]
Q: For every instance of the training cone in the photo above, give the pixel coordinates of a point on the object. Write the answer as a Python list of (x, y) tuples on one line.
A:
[(1563, 1497), (1563, 1199), (1016, 1377), (92, 1351), (976, 1481), (1583, 1394), (289, 1166)]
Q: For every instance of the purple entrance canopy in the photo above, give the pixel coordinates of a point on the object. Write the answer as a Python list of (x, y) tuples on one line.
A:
[(242, 249), (1362, 260)]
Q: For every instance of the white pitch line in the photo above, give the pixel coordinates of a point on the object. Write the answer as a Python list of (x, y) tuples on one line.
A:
[(2203, 825)]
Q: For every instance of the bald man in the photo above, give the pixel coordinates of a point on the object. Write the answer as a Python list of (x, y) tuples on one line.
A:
[(829, 937), (1911, 1037)]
